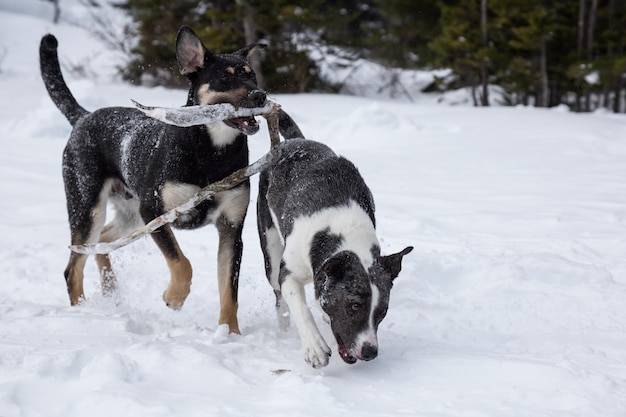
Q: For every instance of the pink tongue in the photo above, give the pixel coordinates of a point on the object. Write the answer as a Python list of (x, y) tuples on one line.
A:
[(343, 351), (345, 355), (246, 121)]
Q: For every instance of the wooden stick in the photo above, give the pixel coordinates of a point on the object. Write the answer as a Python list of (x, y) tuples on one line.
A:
[(198, 115), (205, 193)]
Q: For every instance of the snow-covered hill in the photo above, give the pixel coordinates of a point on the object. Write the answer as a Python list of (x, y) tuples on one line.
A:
[(513, 302)]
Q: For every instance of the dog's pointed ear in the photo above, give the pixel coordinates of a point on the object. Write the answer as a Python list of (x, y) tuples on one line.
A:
[(393, 263), (334, 267), (190, 52), (245, 51)]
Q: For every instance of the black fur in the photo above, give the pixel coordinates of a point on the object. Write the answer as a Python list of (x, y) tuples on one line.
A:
[(302, 180), (323, 244), (53, 80), (316, 223), (145, 167)]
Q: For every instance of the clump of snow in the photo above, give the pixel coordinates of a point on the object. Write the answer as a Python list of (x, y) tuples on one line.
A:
[(366, 78), (592, 78), (511, 304)]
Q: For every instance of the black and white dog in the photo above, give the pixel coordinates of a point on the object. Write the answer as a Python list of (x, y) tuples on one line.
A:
[(145, 168), (316, 223)]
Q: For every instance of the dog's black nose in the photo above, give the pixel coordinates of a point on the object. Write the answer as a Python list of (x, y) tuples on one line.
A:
[(369, 352), (257, 97)]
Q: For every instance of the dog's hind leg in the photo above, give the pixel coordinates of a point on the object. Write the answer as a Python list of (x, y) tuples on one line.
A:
[(85, 226), (126, 220), (273, 248), (107, 277), (74, 277), (273, 252)]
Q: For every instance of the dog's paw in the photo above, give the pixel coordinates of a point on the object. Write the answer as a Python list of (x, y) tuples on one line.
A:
[(317, 353), (175, 297)]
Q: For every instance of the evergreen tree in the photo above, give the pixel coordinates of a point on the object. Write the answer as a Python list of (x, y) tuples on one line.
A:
[(530, 29), (220, 24), (605, 59), (403, 32), (460, 46), (541, 52)]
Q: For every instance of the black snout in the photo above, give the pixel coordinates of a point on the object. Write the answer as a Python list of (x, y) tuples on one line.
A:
[(369, 352), (257, 97)]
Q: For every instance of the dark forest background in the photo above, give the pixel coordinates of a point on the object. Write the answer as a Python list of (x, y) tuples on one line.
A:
[(534, 52)]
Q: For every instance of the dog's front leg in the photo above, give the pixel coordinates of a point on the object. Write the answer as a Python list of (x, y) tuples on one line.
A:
[(316, 351), (180, 268), (228, 264)]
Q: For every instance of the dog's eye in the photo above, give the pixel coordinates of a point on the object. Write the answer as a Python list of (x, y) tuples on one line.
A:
[(356, 306)]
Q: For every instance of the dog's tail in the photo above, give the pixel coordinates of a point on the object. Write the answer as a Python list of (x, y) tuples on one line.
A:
[(55, 84)]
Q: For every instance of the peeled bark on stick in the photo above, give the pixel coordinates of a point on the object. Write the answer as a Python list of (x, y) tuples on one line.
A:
[(270, 112), (199, 115)]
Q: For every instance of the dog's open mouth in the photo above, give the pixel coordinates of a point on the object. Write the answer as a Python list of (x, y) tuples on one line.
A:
[(344, 353), (246, 125)]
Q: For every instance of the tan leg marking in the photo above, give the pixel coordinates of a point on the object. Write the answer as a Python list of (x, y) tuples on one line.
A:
[(228, 306), (234, 204), (74, 278), (180, 281), (74, 272)]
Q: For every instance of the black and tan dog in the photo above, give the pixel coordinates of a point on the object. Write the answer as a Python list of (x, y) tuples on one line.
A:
[(145, 168)]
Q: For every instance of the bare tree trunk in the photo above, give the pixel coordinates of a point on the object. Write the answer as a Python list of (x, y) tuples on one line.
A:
[(609, 53), (578, 100), (591, 26), (556, 97), (617, 99), (474, 92), (581, 26), (57, 11), (483, 65), (544, 94), (249, 32), (580, 46)]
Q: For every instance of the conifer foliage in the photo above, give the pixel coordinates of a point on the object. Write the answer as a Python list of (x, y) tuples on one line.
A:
[(538, 52), (541, 52)]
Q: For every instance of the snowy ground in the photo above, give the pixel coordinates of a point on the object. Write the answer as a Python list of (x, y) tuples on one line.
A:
[(513, 302)]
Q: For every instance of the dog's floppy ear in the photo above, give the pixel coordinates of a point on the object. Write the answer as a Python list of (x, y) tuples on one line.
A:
[(393, 263), (190, 52), (245, 51)]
